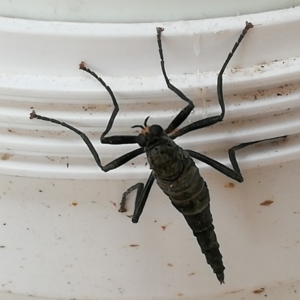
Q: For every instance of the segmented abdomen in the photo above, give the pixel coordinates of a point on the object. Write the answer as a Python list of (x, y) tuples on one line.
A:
[(190, 196)]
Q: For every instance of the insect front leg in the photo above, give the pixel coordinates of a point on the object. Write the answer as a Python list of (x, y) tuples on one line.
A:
[(116, 139), (184, 113), (215, 119)]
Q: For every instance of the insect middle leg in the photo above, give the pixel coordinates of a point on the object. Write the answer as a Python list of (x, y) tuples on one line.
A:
[(111, 165), (214, 119), (117, 139)]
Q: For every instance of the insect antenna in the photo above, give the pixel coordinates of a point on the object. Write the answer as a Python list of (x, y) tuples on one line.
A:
[(138, 126), (146, 120), (141, 126)]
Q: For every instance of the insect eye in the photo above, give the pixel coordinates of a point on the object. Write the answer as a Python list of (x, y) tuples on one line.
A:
[(156, 130), (141, 140)]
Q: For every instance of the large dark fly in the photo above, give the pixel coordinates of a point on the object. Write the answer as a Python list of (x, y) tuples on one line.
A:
[(172, 167)]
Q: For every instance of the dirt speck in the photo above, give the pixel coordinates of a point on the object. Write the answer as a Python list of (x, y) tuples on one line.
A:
[(258, 291), (6, 156), (230, 185), (266, 203)]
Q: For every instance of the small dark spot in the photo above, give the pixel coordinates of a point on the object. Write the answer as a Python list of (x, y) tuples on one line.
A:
[(5, 156), (235, 291), (134, 245), (267, 203), (258, 291), (114, 203), (67, 165), (278, 94), (192, 274), (163, 227), (74, 203), (170, 265), (2, 246), (40, 191), (229, 185), (4, 224)]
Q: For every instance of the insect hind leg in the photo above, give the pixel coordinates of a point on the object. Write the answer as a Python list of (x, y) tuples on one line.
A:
[(232, 154), (140, 199), (235, 172)]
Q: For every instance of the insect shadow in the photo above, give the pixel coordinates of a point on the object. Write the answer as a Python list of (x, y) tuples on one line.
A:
[(172, 167)]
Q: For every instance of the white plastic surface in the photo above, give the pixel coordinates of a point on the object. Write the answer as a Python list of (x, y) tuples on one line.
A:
[(132, 11), (260, 86), (65, 239), (52, 248)]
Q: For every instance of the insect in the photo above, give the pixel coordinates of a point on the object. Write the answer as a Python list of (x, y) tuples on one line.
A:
[(173, 167)]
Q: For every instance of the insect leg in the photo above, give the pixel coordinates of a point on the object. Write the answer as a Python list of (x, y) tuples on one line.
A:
[(116, 139), (215, 119), (184, 113), (139, 187), (141, 197), (234, 173), (110, 166)]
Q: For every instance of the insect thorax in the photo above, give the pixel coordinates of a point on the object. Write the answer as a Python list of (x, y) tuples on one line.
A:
[(178, 177), (165, 158)]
